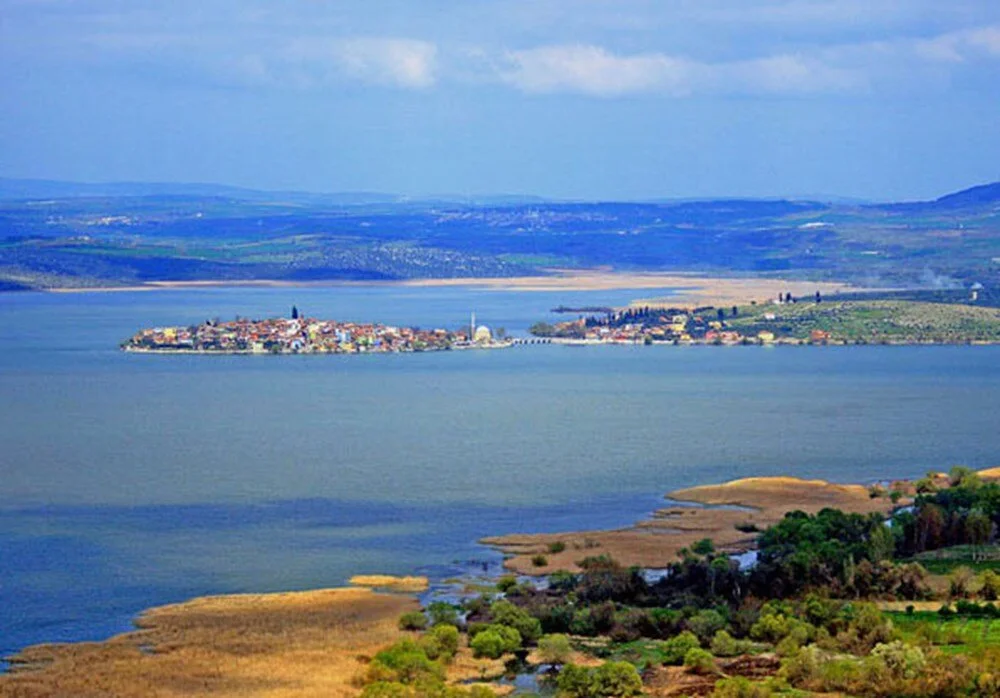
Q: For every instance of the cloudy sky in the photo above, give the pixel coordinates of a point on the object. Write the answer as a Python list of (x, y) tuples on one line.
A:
[(619, 99)]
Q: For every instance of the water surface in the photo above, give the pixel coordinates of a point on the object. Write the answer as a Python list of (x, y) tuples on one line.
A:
[(131, 480)]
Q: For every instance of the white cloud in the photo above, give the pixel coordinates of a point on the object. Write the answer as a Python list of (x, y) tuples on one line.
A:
[(406, 63), (596, 71), (961, 46)]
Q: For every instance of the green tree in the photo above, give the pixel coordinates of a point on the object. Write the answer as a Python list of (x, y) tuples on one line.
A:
[(705, 624), (616, 680), (699, 661), (495, 641), (443, 613), (504, 612), (405, 662), (989, 585), (674, 649), (554, 649), (440, 642), (414, 620), (958, 582), (978, 531), (881, 544), (703, 547)]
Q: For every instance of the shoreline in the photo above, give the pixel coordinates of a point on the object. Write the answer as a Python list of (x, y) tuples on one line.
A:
[(293, 627), (688, 287)]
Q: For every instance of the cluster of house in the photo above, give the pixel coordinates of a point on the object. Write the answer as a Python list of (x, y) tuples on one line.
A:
[(647, 327), (303, 336)]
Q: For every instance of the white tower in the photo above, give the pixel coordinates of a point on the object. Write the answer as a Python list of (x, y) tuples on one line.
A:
[(472, 326)]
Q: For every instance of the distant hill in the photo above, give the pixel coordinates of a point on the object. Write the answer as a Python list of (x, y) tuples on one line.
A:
[(73, 234), (35, 189), (974, 196)]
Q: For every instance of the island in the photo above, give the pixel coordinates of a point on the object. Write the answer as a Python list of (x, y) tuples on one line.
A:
[(301, 335)]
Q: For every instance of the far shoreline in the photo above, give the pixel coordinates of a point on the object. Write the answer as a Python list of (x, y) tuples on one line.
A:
[(687, 288)]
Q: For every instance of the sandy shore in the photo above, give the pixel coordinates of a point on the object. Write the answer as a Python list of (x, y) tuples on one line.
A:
[(310, 643), (695, 289), (758, 502)]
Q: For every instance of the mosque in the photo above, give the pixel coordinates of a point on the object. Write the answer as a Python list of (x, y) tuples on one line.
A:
[(480, 334)]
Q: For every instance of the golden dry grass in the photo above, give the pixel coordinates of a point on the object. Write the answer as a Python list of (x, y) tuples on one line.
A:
[(900, 606), (390, 582), (656, 542), (698, 290), (269, 646)]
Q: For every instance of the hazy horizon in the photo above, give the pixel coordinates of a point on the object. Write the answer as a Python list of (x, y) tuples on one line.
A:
[(444, 195)]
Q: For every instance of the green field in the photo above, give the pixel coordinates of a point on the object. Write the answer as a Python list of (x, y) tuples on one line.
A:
[(871, 321), (945, 560), (954, 634)]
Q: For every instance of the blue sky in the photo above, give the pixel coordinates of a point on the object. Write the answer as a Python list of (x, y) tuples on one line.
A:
[(609, 99)]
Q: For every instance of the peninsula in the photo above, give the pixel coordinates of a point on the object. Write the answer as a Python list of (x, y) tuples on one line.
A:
[(858, 318)]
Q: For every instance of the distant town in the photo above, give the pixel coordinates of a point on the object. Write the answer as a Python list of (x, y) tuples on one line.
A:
[(842, 319), (303, 335)]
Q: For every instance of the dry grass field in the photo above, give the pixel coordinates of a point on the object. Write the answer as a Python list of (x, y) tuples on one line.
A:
[(757, 502), (391, 583), (268, 646)]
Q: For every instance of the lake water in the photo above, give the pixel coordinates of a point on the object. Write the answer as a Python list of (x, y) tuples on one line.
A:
[(134, 480)]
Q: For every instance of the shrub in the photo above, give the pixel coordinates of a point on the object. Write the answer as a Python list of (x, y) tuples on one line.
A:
[(776, 627), (610, 680), (699, 661), (442, 613), (506, 583), (414, 620), (495, 641), (539, 560), (385, 689), (990, 585), (404, 662), (554, 649), (958, 583), (787, 647), (677, 647), (867, 628), (703, 547), (440, 642), (574, 681), (802, 667), (902, 661), (740, 687), (616, 680), (562, 580), (557, 547), (506, 613), (724, 645), (705, 624), (554, 617)]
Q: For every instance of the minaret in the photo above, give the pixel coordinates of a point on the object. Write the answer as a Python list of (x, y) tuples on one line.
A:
[(472, 326)]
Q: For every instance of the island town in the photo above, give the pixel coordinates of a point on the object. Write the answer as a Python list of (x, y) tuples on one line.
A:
[(812, 320), (303, 335)]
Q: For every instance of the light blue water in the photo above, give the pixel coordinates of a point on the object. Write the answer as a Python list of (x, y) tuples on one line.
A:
[(133, 480)]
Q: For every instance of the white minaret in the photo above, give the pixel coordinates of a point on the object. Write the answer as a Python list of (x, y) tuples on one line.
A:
[(472, 326)]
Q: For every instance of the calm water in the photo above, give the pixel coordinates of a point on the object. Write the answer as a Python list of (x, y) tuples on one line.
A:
[(128, 480)]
